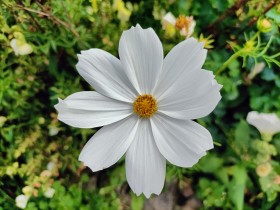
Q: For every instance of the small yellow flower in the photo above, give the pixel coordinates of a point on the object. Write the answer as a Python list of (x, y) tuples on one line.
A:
[(206, 40), (123, 13), (263, 169), (170, 30), (94, 5), (249, 46)]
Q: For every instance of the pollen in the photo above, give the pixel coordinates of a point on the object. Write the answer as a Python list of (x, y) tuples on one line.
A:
[(182, 22), (145, 105)]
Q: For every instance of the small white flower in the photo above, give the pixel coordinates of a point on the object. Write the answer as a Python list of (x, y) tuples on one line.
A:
[(185, 24), (21, 47), (21, 201), (168, 18), (51, 165), (49, 192), (268, 124), (146, 104), (53, 130)]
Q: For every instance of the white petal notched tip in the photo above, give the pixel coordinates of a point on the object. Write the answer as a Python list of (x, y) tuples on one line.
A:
[(181, 142), (141, 55), (145, 165)]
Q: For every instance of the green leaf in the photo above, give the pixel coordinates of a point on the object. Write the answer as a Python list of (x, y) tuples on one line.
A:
[(210, 163), (274, 14), (242, 133), (137, 202), (237, 186)]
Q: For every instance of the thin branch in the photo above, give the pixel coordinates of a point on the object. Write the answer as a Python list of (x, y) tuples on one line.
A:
[(272, 4), (49, 15), (238, 4)]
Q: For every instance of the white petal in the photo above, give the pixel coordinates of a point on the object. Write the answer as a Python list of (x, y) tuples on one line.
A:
[(181, 142), (14, 45), (184, 58), (169, 18), (104, 72), (90, 109), (145, 166), (21, 201), (141, 54), (191, 97), (25, 49), (109, 144), (267, 123)]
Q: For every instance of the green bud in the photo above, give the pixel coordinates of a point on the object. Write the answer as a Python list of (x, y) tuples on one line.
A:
[(261, 158), (264, 25)]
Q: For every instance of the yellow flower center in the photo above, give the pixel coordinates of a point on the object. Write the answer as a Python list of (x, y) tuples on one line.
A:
[(182, 22), (145, 105)]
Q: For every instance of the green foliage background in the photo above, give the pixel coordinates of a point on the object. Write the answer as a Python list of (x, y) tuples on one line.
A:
[(31, 136)]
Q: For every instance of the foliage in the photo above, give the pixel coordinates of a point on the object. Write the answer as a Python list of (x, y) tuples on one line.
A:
[(39, 41)]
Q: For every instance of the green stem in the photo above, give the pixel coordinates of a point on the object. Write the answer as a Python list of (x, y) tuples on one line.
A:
[(234, 56), (255, 36), (276, 55), (225, 65), (266, 47)]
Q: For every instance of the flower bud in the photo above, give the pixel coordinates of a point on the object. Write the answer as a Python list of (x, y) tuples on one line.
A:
[(264, 25), (263, 169)]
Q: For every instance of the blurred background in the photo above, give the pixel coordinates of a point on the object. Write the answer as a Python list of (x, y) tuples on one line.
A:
[(39, 40)]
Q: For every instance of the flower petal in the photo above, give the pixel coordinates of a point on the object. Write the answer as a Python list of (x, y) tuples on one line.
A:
[(168, 18), (191, 97), (184, 58), (268, 123), (90, 109), (141, 54), (145, 166), (181, 142), (104, 72), (109, 144)]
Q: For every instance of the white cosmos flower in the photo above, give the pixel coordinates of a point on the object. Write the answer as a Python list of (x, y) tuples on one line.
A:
[(268, 124), (145, 104)]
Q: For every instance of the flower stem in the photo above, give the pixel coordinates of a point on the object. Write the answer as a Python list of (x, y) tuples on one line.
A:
[(225, 65), (236, 55)]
